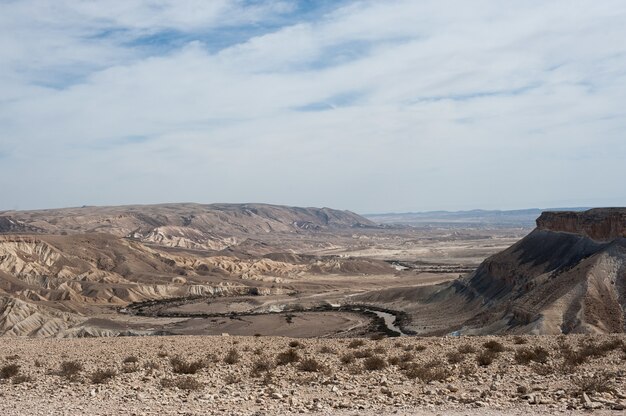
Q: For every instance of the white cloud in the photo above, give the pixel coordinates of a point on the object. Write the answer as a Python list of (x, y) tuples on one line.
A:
[(413, 105)]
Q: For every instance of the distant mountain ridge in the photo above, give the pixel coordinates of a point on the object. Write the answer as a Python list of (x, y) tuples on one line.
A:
[(515, 218)]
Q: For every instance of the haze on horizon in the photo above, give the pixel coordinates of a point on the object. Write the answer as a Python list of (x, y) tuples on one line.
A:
[(363, 105)]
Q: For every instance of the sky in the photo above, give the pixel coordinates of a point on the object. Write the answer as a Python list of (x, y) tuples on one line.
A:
[(371, 106)]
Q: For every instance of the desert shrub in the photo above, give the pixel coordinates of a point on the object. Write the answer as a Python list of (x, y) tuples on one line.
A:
[(380, 350), (258, 351), (130, 360), (22, 378), (356, 343), (262, 365), (494, 346), (611, 345), (12, 357), (395, 360), (526, 355), (519, 340), (184, 383), (295, 344), (232, 379), (38, 363), (374, 363), (542, 369), (466, 349), (434, 370), (485, 358), (9, 370), (347, 358), (232, 357), (419, 348), (467, 370), (310, 365), (327, 350), (102, 376), (363, 353), (408, 347), (180, 366), (151, 365), (597, 383), (162, 354), (70, 369), (455, 357), (287, 357)]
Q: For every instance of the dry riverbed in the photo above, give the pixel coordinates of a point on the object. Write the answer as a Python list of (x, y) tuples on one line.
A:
[(274, 375)]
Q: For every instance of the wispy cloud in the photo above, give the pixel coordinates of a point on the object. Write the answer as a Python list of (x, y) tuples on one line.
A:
[(366, 105)]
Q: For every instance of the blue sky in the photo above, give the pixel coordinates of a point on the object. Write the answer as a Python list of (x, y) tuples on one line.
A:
[(363, 105)]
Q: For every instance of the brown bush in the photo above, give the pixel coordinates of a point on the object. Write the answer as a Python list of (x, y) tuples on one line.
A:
[(526, 355), (327, 350), (347, 358), (9, 370), (363, 353), (310, 365), (22, 378), (486, 358), (102, 376), (466, 349), (356, 343), (434, 370), (180, 366), (374, 363), (287, 357), (232, 357), (70, 370), (518, 340), (455, 357), (598, 383), (494, 346), (262, 365), (295, 344), (184, 383), (130, 360)]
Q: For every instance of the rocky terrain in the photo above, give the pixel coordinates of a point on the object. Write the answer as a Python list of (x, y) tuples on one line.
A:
[(566, 276), (263, 375)]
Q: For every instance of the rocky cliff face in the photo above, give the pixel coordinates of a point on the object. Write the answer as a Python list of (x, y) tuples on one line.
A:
[(600, 224)]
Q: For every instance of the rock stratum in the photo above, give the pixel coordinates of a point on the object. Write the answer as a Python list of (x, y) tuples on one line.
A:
[(566, 276)]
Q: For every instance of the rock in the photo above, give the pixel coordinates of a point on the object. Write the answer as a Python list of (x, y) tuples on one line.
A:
[(277, 396)]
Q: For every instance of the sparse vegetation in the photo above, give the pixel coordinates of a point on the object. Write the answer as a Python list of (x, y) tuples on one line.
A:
[(434, 370), (327, 350), (526, 355), (374, 363), (287, 357), (356, 343), (184, 383), (486, 358), (455, 357), (232, 357), (347, 358), (180, 366), (597, 383), (519, 340), (9, 370), (102, 376), (466, 349), (70, 370), (295, 344), (22, 378), (262, 365), (310, 365), (363, 353), (494, 346), (130, 360)]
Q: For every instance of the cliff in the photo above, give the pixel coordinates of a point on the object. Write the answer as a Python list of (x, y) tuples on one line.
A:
[(600, 224)]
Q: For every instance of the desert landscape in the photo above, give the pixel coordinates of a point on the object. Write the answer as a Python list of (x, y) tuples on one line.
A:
[(253, 308)]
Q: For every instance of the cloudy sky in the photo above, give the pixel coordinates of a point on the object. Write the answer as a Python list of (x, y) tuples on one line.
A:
[(373, 106)]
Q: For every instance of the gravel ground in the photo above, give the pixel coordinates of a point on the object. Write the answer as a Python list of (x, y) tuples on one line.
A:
[(403, 376)]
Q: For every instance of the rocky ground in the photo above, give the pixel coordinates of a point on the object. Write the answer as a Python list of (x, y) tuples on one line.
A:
[(263, 375)]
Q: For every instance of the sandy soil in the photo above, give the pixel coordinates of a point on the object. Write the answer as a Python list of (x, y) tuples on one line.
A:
[(149, 386)]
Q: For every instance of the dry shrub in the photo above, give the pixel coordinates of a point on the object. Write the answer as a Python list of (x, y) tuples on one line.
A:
[(494, 346), (518, 340), (455, 357), (525, 355), (434, 370), (419, 348), (287, 357), (232, 357), (467, 370), (363, 353), (22, 378), (232, 379), (184, 383), (598, 383), (130, 360), (9, 370), (486, 358), (356, 343), (295, 344), (310, 365), (102, 376), (262, 365), (380, 350), (151, 365), (180, 366), (374, 363), (327, 350), (466, 349), (70, 370), (347, 358), (12, 357)]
